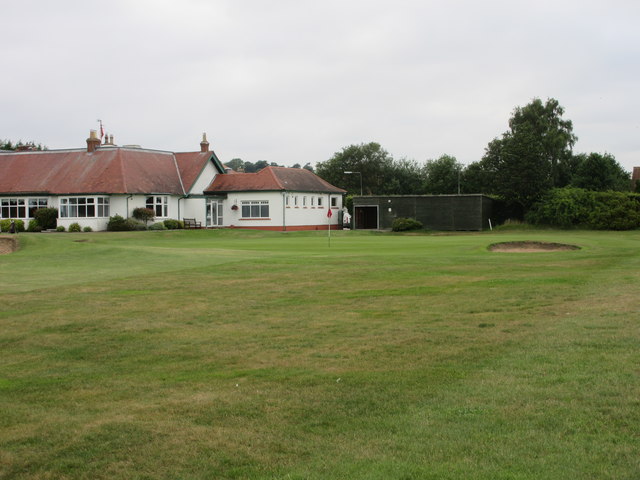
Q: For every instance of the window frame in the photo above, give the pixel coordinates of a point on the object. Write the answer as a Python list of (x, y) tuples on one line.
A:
[(254, 209), (22, 207), (84, 207), (159, 204)]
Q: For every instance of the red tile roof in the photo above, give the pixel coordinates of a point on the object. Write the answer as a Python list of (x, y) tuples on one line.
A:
[(270, 179), (107, 170)]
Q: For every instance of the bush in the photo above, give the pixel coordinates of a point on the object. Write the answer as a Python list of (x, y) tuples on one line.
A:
[(120, 224), (135, 225), (144, 214), (47, 218), (75, 227), (563, 207), (117, 224), (172, 224), (87, 229), (158, 226), (5, 225), (576, 207), (60, 228), (33, 226), (406, 224)]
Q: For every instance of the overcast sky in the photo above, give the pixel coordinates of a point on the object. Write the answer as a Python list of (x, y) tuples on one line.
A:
[(294, 81)]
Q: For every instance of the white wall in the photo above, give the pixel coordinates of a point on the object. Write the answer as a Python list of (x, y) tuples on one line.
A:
[(279, 213)]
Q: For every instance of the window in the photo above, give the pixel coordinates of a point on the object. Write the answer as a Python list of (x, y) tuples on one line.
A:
[(313, 201), (36, 204), (304, 200), (160, 205), (83, 207), (295, 200), (21, 207), (286, 200), (334, 201), (255, 209), (319, 201)]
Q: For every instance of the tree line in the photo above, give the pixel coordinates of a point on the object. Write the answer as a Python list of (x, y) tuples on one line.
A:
[(11, 146), (240, 165), (532, 157)]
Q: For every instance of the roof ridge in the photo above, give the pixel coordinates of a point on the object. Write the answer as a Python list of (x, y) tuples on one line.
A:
[(273, 175)]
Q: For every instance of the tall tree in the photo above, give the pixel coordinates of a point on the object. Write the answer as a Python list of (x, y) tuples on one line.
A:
[(553, 134), (369, 160), (600, 173), (533, 156)]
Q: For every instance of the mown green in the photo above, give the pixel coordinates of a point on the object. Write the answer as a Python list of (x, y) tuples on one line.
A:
[(257, 355)]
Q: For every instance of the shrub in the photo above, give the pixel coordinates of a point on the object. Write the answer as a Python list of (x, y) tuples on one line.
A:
[(144, 214), (563, 207), (576, 207), (33, 226), (75, 227), (87, 229), (172, 224), (5, 225), (134, 224), (117, 224), (158, 226), (60, 228), (406, 224), (120, 224), (47, 218)]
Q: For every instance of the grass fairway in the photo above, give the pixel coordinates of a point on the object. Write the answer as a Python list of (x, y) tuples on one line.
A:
[(255, 355)]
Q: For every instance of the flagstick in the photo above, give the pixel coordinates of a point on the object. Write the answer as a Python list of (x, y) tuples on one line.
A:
[(329, 215)]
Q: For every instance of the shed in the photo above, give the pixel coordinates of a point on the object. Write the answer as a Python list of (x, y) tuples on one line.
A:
[(436, 212)]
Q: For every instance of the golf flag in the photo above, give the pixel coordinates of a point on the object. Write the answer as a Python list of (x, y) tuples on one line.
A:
[(329, 213)]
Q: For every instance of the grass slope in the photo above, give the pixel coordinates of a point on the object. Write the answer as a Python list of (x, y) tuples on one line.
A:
[(226, 354)]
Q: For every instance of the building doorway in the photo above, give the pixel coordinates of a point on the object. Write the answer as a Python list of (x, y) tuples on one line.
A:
[(365, 217), (214, 213)]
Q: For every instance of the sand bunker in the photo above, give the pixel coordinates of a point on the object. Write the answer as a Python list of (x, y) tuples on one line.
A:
[(527, 246), (8, 245)]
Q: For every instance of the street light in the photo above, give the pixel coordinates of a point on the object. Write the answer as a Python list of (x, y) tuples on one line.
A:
[(353, 173)]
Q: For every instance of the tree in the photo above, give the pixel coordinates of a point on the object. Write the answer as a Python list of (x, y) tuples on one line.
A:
[(144, 214), (553, 134), (404, 178), (599, 173), (9, 145), (473, 179), (236, 164), (308, 167), (369, 160), (442, 176), (533, 156)]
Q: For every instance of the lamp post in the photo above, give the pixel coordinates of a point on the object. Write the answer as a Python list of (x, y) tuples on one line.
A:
[(359, 173)]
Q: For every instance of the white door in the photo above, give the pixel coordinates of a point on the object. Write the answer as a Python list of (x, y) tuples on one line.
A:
[(214, 213)]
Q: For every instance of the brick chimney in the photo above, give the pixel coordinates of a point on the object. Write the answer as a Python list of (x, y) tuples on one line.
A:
[(93, 142), (204, 145)]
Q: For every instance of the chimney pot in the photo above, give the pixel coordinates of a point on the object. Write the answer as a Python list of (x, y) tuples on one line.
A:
[(204, 144), (93, 142)]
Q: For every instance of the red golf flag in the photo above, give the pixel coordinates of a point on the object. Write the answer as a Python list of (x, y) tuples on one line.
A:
[(329, 213)]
